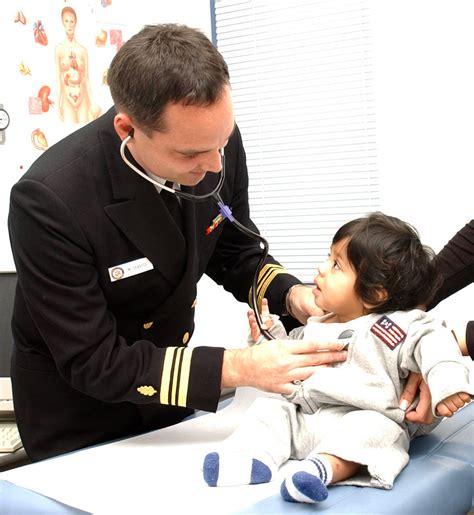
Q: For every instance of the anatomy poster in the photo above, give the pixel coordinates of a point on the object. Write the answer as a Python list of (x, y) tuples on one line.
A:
[(60, 52)]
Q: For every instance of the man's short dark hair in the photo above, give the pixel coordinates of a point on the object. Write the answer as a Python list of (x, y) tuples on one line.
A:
[(162, 64)]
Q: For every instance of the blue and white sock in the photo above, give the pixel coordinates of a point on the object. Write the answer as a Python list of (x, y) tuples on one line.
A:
[(232, 468), (308, 483)]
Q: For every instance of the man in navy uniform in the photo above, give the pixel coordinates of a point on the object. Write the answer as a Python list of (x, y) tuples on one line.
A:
[(107, 278)]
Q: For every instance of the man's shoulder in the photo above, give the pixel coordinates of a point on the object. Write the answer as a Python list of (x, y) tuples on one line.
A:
[(235, 144), (69, 154)]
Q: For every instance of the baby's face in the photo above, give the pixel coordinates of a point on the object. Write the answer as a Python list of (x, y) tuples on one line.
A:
[(335, 285)]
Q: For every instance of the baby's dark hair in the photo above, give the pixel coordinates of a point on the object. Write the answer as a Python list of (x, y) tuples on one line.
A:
[(387, 253)]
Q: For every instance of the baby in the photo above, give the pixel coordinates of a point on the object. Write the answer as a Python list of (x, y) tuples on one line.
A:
[(344, 423)]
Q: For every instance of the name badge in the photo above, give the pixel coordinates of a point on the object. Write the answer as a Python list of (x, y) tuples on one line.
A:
[(138, 266)]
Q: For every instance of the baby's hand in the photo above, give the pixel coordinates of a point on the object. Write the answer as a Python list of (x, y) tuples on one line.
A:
[(267, 322), (447, 407)]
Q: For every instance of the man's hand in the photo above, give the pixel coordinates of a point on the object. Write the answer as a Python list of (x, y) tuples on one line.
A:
[(422, 414), (448, 407), (274, 365), (301, 304)]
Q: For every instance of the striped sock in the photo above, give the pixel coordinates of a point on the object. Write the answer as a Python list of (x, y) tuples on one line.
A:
[(308, 484), (228, 469)]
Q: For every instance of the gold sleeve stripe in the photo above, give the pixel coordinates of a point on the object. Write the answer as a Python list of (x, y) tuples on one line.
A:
[(166, 374), (175, 376), (184, 381), (265, 277)]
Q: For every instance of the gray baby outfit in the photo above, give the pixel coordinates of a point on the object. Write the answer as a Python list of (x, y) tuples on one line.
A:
[(351, 410)]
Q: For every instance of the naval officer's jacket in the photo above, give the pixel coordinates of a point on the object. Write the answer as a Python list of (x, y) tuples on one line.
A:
[(104, 309)]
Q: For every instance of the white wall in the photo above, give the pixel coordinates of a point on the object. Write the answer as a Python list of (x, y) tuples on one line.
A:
[(425, 109), (424, 77)]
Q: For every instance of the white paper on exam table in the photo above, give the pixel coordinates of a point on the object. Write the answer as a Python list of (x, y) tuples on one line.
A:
[(147, 473)]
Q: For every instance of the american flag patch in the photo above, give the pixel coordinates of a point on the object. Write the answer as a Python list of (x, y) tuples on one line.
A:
[(388, 332)]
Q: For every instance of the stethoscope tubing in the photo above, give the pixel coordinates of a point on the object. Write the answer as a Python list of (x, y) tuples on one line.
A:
[(179, 193), (225, 211)]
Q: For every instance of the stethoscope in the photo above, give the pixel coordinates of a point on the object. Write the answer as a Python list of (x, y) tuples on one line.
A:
[(225, 211)]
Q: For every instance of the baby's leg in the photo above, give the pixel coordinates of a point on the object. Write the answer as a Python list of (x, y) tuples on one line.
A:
[(308, 484), (363, 447), (257, 448)]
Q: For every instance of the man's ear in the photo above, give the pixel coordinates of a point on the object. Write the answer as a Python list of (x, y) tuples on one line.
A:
[(123, 125)]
